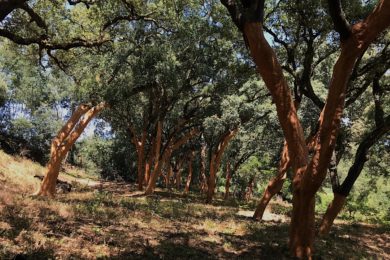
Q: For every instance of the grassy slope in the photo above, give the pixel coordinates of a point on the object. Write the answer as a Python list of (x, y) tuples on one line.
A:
[(114, 221)]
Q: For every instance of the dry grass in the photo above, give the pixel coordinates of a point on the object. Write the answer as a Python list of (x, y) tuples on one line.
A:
[(113, 221)]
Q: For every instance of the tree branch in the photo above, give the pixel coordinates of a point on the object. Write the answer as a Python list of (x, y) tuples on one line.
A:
[(337, 14), (34, 16), (234, 12)]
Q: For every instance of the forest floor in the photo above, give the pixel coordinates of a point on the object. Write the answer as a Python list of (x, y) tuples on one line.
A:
[(106, 220)]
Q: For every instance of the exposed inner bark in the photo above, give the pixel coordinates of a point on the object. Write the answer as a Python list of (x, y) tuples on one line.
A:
[(307, 178), (62, 143), (228, 179), (161, 160), (139, 144), (249, 189), (275, 185), (215, 162), (189, 177)]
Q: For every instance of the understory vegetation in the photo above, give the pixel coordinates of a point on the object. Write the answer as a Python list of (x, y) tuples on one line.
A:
[(113, 220)]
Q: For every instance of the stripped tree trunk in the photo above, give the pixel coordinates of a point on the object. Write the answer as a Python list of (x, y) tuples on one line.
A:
[(215, 162), (228, 179), (202, 175), (140, 149), (189, 177), (275, 185), (308, 175), (249, 189), (160, 160), (61, 144)]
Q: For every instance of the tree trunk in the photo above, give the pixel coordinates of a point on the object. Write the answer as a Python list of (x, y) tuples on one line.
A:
[(61, 144), (275, 185), (302, 224), (211, 180), (331, 213), (215, 162), (340, 192), (149, 161), (147, 172), (157, 160), (189, 177), (249, 190), (228, 179), (153, 177), (140, 147), (202, 175), (165, 156)]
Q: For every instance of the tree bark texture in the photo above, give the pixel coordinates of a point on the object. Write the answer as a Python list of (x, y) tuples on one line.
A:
[(61, 144), (189, 177), (228, 180), (215, 162), (162, 159), (308, 175)]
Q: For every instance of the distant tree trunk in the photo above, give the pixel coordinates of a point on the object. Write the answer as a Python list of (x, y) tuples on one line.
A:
[(140, 149), (275, 185), (150, 160), (61, 144), (169, 175), (177, 169), (161, 160), (202, 175), (147, 171), (228, 179), (215, 162), (249, 189), (189, 177)]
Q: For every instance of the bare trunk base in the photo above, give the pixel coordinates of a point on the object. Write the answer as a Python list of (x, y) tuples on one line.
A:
[(48, 185), (302, 226)]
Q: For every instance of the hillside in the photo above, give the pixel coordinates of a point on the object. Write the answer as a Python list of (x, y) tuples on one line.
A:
[(112, 221)]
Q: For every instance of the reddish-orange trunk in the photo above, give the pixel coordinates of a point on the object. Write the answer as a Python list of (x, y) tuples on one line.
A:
[(62, 143), (302, 225), (249, 189), (211, 180), (189, 177), (275, 185), (161, 160), (228, 179), (215, 162), (331, 213)]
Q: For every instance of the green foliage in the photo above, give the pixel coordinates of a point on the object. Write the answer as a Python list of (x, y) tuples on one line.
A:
[(3, 92)]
